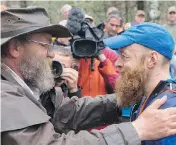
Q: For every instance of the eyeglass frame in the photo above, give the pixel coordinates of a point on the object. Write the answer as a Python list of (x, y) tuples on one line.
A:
[(50, 46)]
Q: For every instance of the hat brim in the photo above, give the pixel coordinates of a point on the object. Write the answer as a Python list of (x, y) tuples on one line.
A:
[(54, 30), (117, 42)]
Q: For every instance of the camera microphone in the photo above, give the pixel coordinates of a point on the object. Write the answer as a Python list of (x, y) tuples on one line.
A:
[(75, 17)]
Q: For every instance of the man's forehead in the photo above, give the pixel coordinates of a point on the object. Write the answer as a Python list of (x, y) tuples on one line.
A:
[(134, 48), (126, 49), (113, 19)]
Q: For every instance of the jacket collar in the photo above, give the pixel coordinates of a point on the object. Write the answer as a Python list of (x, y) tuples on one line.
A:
[(12, 77)]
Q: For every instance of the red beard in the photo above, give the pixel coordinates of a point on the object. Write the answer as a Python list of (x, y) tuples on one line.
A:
[(130, 86)]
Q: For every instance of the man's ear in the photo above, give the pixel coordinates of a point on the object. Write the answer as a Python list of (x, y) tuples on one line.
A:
[(14, 48), (152, 59)]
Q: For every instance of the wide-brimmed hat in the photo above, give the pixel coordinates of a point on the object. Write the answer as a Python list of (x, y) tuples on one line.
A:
[(16, 22)]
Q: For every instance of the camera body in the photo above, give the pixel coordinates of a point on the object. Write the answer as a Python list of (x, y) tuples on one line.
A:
[(88, 42), (84, 48)]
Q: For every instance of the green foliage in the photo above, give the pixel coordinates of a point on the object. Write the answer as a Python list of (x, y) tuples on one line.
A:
[(96, 9)]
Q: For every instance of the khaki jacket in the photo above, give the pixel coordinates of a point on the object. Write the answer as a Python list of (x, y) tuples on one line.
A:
[(25, 121)]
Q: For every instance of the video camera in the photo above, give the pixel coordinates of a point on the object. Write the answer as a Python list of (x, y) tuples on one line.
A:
[(87, 38), (88, 42)]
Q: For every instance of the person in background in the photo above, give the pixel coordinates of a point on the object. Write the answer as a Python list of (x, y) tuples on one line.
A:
[(171, 27), (64, 11), (104, 75), (61, 41), (111, 10), (145, 54), (90, 18), (173, 65), (139, 18), (171, 21), (69, 76), (65, 84), (102, 80), (113, 24)]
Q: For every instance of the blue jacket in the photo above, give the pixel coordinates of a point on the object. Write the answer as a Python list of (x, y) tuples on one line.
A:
[(171, 102)]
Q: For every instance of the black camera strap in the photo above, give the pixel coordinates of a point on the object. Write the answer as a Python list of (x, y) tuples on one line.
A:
[(91, 29)]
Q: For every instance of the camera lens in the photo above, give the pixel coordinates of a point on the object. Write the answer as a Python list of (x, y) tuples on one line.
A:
[(57, 69)]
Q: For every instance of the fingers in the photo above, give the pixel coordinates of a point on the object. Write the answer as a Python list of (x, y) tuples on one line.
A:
[(70, 70), (158, 103), (172, 125), (71, 73), (171, 132), (70, 76), (171, 111), (70, 80)]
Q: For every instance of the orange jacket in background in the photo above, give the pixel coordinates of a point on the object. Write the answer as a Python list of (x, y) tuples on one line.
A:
[(102, 80)]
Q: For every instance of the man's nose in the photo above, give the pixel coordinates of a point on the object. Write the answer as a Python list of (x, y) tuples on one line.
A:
[(50, 54), (114, 28), (118, 64)]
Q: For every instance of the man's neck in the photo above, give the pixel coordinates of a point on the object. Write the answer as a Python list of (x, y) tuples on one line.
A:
[(153, 82)]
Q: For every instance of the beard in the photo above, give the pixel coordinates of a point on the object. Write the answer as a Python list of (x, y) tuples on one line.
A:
[(37, 73), (130, 86)]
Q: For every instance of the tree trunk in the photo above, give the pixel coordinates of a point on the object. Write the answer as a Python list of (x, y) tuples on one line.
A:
[(140, 5), (154, 11), (23, 4), (126, 11)]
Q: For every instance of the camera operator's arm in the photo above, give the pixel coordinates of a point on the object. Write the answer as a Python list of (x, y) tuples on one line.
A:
[(70, 76), (107, 68)]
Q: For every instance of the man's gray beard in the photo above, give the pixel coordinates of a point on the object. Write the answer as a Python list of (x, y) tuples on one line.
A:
[(37, 74)]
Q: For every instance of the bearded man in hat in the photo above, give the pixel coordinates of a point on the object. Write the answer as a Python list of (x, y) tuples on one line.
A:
[(145, 53), (26, 73)]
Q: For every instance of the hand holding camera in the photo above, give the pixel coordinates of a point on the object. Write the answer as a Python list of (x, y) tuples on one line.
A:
[(70, 77), (101, 57)]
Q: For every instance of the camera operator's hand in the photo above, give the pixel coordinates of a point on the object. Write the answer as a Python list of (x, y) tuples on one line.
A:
[(101, 56), (71, 77)]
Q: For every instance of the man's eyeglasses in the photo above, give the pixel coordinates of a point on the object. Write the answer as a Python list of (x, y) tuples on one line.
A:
[(43, 44)]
